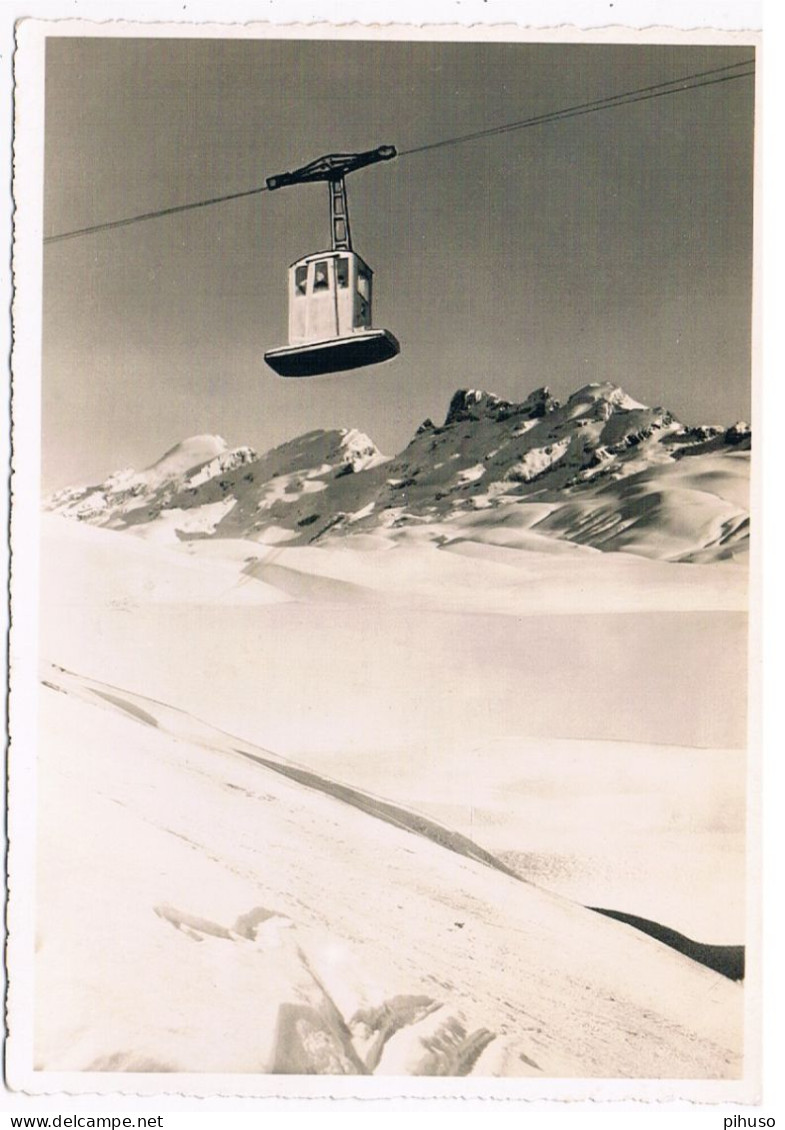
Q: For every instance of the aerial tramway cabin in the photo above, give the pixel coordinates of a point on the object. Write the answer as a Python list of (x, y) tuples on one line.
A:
[(330, 292)]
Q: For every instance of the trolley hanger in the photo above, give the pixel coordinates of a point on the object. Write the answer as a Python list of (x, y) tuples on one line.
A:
[(333, 168)]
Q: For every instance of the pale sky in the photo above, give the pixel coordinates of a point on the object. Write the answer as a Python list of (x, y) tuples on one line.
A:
[(613, 246)]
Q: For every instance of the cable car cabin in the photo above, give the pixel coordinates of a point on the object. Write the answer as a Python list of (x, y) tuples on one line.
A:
[(330, 324)]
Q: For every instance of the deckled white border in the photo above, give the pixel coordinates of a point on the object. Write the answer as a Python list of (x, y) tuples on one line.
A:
[(23, 656), (30, 31)]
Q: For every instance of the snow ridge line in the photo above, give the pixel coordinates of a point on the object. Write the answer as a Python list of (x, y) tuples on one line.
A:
[(728, 961), (141, 709), (390, 813)]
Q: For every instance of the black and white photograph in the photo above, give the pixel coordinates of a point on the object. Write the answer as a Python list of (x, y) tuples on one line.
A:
[(387, 525)]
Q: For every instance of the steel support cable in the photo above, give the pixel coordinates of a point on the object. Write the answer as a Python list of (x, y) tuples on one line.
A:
[(153, 215), (642, 94)]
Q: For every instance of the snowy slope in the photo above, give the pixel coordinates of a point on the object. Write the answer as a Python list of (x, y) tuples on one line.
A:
[(266, 924), (537, 706), (601, 470)]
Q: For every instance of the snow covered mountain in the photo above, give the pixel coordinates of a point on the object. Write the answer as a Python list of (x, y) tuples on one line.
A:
[(453, 809), (601, 470)]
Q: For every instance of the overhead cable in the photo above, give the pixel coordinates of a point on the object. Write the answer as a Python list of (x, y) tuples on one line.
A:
[(152, 215), (642, 94)]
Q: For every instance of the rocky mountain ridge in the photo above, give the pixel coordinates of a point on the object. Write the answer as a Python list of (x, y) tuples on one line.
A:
[(600, 470)]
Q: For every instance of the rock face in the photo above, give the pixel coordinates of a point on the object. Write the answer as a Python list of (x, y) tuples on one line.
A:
[(600, 470)]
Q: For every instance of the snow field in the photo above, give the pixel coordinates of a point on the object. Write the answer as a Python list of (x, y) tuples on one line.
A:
[(201, 911), (263, 926)]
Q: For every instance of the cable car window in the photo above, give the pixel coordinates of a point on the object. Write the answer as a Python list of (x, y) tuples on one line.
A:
[(342, 272), (364, 284), (362, 312), (321, 280), (300, 276)]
